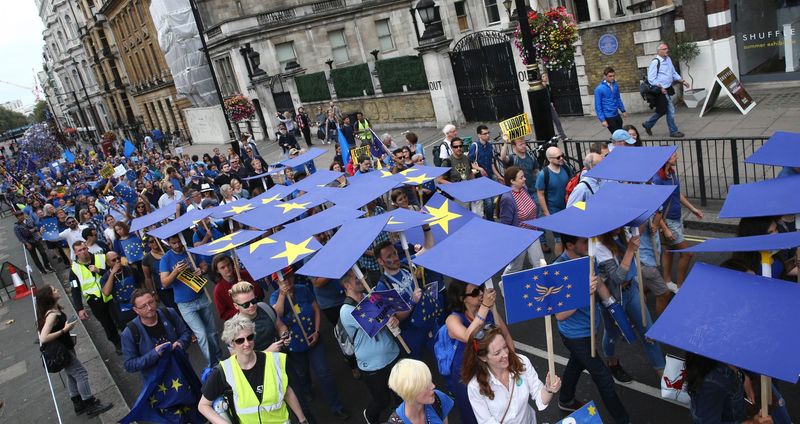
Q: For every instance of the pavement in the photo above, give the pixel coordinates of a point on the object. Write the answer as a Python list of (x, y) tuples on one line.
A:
[(24, 387)]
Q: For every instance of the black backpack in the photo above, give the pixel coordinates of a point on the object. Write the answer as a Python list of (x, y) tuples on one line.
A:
[(56, 356), (437, 149), (645, 88)]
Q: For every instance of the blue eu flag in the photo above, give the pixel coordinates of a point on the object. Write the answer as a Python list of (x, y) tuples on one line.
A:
[(169, 395), (133, 248), (588, 414), (547, 290)]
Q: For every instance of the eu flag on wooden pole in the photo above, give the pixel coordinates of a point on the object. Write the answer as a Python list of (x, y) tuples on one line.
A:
[(546, 290)]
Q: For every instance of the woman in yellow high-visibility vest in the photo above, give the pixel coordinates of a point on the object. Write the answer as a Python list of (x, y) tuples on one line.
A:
[(257, 380)]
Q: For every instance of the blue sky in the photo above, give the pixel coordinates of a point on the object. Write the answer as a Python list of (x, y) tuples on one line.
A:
[(20, 48)]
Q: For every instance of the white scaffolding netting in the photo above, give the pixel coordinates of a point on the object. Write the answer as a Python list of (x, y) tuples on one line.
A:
[(180, 42)]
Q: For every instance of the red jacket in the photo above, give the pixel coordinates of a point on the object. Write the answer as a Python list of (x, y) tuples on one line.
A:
[(223, 301)]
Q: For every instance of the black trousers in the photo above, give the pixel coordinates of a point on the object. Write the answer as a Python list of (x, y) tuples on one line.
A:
[(381, 397), (103, 312), (42, 253), (614, 123), (307, 135)]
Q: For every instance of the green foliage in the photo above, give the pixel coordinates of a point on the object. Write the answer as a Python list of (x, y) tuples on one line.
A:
[(399, 71), (312, 87), (352, 81), (38, 112), (10, 120), (684, 52)]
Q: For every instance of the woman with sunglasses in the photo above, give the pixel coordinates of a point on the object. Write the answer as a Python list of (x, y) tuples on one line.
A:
[(471, 308), (257, 380), (501, 381)]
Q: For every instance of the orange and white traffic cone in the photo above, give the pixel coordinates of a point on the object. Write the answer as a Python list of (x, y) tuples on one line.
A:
[(19, 286)]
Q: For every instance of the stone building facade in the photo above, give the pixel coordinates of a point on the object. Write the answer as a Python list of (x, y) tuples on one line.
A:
[(150, 81)]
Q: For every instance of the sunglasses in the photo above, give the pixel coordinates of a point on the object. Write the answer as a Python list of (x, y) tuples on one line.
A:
[(481, 334), (241, 340), (477, 291), (558, 157), (247, 304), (460, 146)]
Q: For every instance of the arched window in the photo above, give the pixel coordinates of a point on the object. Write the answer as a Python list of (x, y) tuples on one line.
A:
[(68, 27), (61, 39)]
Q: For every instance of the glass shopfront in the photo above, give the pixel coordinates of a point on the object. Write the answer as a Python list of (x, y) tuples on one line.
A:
[(767, 40)]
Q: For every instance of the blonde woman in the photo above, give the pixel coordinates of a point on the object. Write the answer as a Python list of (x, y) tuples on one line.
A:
[(422, 403)]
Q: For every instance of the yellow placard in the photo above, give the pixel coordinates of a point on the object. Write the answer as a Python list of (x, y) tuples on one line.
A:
[(516, 127), (194, 282), (107, 171), (357, 152)]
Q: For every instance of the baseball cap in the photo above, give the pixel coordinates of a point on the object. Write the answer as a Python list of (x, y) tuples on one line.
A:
[(622, 135)]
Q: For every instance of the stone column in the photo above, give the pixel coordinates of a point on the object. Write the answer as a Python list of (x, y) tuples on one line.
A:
[(594, 14), (170, 114), (264, 95), (441, 81)]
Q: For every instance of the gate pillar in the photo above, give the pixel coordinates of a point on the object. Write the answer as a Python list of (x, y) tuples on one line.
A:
[(441, 82)]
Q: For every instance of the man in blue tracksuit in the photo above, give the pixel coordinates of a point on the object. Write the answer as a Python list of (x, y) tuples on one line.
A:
[(608, 103)]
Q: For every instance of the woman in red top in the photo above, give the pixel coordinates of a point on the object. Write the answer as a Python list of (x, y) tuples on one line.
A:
[(516, 207)]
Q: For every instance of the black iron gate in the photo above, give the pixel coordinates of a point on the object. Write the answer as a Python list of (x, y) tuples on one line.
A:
[(485, 77), (565, 92)]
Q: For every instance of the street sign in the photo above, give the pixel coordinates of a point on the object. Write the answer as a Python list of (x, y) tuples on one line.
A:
[(727, 81)]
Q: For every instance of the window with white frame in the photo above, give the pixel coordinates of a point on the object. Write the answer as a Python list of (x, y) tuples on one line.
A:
[(461, 15), (384, 35), (227, 79), (338, 46), (492, 11), (285, 53)]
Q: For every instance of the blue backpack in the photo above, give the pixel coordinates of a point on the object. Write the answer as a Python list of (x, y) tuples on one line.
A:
[(444, 348)]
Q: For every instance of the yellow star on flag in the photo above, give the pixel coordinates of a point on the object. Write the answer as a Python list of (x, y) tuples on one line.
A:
[(153, 400), (229, 237), (385, 174), (393, 222), (419, 179), (228, 246), (269, 200), (527, 286), (294, 250), (580, 205), (442, 216), (407, 171), (258, 243), (592, 410), (176, 384), (239, 209), (162, 388), (292, 205), (557, 273)]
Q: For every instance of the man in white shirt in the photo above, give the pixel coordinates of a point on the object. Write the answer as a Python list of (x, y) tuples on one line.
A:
[(450, 133), (170, 194), (72, 234)]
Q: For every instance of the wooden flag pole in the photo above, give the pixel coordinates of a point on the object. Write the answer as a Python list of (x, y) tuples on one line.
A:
[(396, 331), (294, 311), (766, 382), (191, 261), (592, 252), (236, 266), (642, 299), (404, 244), (548, 327)]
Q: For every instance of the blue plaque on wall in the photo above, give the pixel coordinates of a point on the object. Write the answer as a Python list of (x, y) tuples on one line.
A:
[(608, 44)]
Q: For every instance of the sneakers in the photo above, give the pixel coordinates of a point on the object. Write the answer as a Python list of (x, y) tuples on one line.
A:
[(676, 134), (649, 131), (94, 407), (673, 287), (619, 374), (366, 420), (571, 406)]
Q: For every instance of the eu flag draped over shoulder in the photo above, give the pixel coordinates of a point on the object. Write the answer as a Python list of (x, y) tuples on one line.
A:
[(547, 290), (169, 395)]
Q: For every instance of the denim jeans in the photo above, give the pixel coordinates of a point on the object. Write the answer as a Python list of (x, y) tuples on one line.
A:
[(199, 315), (580, 358), (314, 359), (77, 378), (633, 311), (673, 128)]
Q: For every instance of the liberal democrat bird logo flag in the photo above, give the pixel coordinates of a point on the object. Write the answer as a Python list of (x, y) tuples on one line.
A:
[(547, 290), (374, 311)]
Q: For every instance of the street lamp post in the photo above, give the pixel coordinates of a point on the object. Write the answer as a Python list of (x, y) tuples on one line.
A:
[(537, 93), (199, 23), (80, 111), (97, 125)]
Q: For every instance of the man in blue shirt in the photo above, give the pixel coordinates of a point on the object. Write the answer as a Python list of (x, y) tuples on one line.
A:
[(375, 356), (661, 73), (196, 309), (482, 153), (608, 103), (551, 188), (575, 329)]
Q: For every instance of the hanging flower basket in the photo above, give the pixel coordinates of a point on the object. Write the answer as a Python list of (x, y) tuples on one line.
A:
[(109, 137), (554, 34), (239, 108)]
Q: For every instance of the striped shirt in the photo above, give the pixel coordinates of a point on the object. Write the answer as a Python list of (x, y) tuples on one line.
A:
[(526, 208)]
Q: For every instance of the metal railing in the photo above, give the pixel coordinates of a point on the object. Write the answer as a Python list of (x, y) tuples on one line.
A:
[(707, 167)]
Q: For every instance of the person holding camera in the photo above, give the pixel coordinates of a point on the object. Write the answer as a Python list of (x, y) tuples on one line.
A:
[(54, 328)]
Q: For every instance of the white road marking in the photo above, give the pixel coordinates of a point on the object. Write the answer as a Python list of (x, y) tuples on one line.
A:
[(634, 385)]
